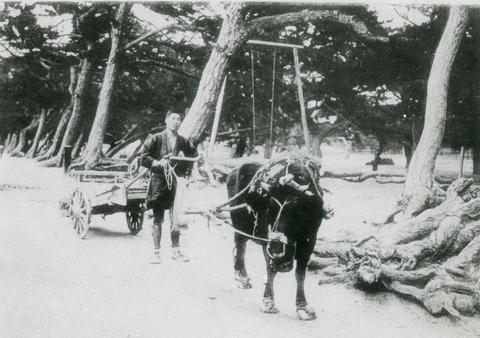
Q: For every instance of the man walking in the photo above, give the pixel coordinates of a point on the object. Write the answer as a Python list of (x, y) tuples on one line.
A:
[(154, 155)]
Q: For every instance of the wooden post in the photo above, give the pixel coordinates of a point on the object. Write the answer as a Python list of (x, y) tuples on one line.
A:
[(300, 98), (274, 44), (67, 158), (269, 146), (216, 119), (253, 104), (460, 164)]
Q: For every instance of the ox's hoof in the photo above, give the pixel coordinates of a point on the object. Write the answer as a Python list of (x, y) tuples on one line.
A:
[(306, 312), (243, 282), (268, 306)]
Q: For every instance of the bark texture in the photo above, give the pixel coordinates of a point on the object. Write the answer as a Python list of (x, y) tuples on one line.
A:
[(64, 119), (93, 150), (12, 144), (78, 145), (475, 17), (40, 129), (52, 150), (418, 186), (22, 139), (73, 126), (233, 33)]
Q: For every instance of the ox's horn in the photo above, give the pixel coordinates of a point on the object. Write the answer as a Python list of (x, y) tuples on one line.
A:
[(289, 181), (265, 186), (285, 179), (300, 188)]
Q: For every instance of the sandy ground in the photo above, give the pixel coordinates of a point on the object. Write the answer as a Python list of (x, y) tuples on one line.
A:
[(55, 285)]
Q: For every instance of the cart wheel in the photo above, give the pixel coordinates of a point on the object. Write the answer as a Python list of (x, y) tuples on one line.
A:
[(134, 219), (80, 210)]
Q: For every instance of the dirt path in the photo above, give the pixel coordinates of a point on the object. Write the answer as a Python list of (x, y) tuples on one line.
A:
[(54, 285)]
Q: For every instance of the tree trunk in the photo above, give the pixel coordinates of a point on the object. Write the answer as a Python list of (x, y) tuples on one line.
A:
[(44, 144), (233, 33), (93, 150), (476, 86), (22, 140), (7, 141), (407, 150), (64, 119), (418, 186), (12, 144), (70, 135), (78, 145), (52, 150), (41, 127), (476, 156)]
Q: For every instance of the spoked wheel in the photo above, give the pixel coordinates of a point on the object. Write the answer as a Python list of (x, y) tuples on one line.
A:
[(80, 210), (134, 217)]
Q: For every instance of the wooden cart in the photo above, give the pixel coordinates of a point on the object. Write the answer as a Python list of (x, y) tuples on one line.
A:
[(105, 193)]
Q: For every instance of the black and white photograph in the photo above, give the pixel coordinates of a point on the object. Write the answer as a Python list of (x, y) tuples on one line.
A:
[(239, 169)]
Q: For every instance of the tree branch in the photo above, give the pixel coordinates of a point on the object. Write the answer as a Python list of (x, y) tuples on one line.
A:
[(11, 51), (359, 27), (154, 32), (172, 69), (404, 17)]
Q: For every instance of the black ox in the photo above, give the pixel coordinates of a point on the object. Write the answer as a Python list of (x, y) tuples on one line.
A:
[(285, 209)]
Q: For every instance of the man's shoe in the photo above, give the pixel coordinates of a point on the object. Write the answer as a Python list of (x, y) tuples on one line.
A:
[(156, 258), (178, 255)]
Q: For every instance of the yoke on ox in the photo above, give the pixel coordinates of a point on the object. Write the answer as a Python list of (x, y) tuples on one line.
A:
[(285, 209)]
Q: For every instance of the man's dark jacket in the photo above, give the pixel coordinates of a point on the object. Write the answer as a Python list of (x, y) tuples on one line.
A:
[(155, 148)]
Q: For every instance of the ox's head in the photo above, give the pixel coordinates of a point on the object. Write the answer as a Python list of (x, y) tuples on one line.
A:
[(289, 209)]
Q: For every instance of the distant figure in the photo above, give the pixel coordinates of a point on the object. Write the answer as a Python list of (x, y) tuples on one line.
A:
[(154, 155), (241, 147), (279, 142)]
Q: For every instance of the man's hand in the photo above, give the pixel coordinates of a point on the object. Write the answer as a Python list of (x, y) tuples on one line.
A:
[(328, 211), (160, 163)]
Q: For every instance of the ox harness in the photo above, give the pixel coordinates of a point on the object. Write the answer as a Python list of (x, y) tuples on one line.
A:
[(261, 183)]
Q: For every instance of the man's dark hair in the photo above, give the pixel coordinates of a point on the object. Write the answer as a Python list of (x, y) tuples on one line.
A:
[(170, 112)]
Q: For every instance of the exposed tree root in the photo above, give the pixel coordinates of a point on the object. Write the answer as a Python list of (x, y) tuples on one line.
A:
[(54, 161), (380, 177), (358, 177), (105, 164), (433, 258)]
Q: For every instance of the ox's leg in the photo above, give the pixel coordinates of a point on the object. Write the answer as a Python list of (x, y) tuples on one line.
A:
[(304, 311), (268, 295), (241, 275)]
